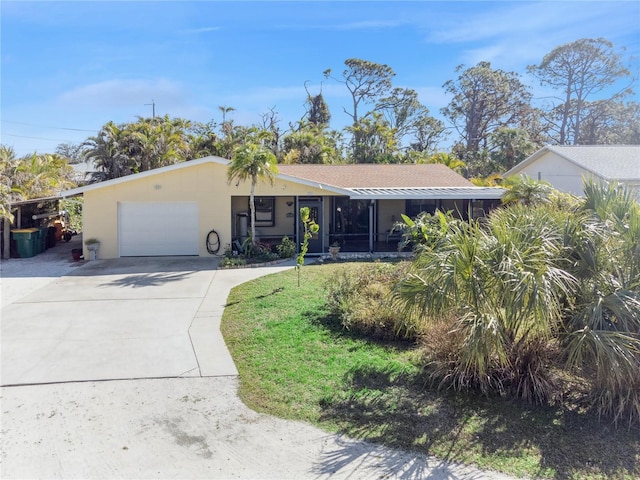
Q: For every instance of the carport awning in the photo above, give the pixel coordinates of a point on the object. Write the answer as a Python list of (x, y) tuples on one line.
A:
[(453, 193)]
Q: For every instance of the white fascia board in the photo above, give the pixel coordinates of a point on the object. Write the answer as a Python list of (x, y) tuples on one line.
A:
[(309, 183)]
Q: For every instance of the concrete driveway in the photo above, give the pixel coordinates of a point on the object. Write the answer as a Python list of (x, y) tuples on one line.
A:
[(106, 320), (122, 319), (141, 324)]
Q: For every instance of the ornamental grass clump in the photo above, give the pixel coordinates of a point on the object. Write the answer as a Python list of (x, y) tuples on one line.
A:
[(361, 299)]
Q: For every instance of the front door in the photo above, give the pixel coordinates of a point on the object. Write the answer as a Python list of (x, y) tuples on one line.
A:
[(315, 213)]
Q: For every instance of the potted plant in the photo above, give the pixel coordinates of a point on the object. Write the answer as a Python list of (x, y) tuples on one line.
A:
[(334, 250), (92, 245)]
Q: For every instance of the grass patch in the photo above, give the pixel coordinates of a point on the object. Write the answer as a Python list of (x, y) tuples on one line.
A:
[(295, 361)]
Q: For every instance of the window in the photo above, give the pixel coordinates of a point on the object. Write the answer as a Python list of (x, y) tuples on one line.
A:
[(414, 207), (265, 211)]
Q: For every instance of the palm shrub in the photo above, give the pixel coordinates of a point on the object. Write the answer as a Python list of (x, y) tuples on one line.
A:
[(602, 331), (501, 285), (536, 293)]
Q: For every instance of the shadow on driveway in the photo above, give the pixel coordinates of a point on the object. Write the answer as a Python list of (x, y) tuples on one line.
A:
[(147, 280)]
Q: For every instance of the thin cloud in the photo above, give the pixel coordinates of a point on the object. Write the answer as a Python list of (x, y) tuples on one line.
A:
[(366, 25), (348, 26), (195, 31), (123, 92)]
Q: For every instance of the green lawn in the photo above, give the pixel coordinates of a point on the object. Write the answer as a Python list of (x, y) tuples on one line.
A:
[(296, 362)]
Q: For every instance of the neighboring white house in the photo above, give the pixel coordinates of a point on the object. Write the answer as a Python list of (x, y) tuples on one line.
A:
[(565, 167)]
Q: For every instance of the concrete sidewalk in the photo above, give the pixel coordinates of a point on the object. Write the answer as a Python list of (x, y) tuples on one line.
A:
[(210, 349)]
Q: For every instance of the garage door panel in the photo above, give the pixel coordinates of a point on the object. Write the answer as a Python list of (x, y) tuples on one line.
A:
[(158, 229)]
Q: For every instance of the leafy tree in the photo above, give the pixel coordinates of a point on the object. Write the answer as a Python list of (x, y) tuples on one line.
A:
[(203, 140), (508, 147), (376, 140), (579, 70), (426, 133), (367, 82), (317, 109), (311, 143), (409, 119), (32, 176), (72, 152), (484, 100), (255, 163), (607, 122)]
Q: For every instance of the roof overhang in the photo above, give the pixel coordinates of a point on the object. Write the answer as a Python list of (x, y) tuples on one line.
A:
[(22, 203), (397, 193), (442, 193)]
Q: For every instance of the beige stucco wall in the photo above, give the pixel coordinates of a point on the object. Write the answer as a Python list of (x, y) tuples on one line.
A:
[(389, 211), (204, 183)]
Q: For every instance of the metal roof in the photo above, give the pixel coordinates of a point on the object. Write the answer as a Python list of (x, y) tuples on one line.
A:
[(611, 162), (453, 193)]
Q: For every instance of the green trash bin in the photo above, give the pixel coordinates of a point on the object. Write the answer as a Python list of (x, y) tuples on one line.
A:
[(25, 239), (37, 249), (43, 238)]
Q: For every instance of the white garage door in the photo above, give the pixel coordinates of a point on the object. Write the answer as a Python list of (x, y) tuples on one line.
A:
[(157, 229)]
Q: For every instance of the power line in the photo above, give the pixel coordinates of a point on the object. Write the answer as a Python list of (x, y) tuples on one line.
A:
[(44, 126), (38, 138)]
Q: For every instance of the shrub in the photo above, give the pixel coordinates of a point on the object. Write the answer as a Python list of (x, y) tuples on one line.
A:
[(361, 299), (233, 262), (537, 296), (425, 230), (286, 248)]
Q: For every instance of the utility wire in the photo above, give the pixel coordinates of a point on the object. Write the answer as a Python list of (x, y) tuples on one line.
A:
[(44, 126), (39, 138)]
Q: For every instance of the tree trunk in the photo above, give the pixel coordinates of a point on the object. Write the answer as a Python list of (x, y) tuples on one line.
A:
[(252, 208)]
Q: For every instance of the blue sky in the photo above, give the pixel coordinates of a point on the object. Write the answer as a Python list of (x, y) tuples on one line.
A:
[(70, 67)]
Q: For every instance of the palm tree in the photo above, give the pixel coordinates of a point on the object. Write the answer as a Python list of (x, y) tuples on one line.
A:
[(252, 162), (451, 161), (157, 142), (108, 153), (8, 191), (43, 175), (526, 190)]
